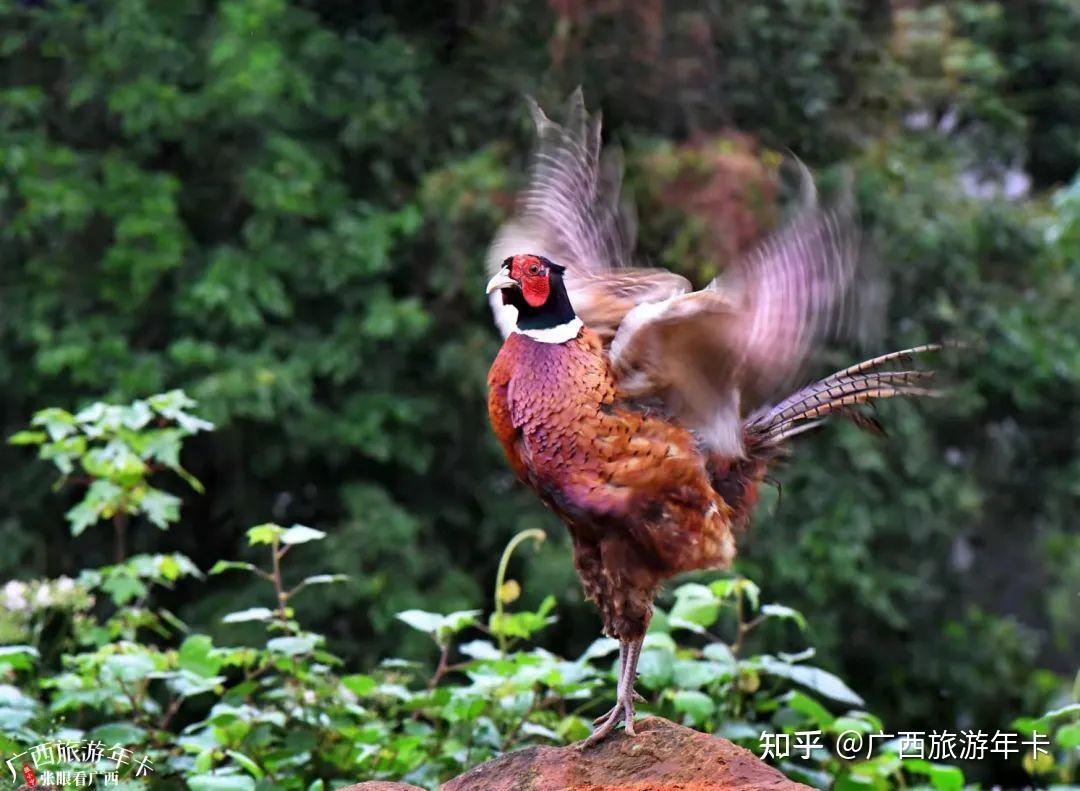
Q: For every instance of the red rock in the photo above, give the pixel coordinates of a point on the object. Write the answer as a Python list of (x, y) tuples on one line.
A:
[(380, 785), (662, 757)]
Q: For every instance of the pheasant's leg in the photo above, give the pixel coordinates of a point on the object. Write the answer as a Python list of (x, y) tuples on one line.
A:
[(628, 693), (622, 669), (624, 702)]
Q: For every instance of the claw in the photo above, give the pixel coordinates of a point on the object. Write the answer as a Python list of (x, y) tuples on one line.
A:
[(638, 698), (622, 712)]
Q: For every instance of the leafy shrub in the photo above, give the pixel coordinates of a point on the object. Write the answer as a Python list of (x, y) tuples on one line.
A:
[(117, 448), (91, 660), (282, 713)]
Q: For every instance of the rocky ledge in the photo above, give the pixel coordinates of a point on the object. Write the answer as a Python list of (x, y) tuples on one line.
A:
[(662, 757)]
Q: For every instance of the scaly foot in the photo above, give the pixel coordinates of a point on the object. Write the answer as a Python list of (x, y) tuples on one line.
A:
[(622, 712), (638, 698), (625, 697)]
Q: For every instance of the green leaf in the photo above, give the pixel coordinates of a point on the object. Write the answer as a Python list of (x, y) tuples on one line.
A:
[(299, 534), (693, 674), (18, 657), (123, 586), (719, 652), (810, 708), (675, 622), (480, 649), (170, 567), (229, 565), (249, 765), (27, 438), (1068, 736), (127, 734), (173, 405), (1071, 708), (694, 604), (697, 705), (195, 655), (659, 622), (59, 423), (455, 622), (851, 723), (186, 684), (724, 588), (324, 579), (360, 685), (12, 719), (421, 620), (264, 533), (127, 668), (221, 782), (602, 646), (161, 508), (519, 624), (102, 500), (818, 680), (91, 414), (464, 709), (162, 446), (660, 641), (783, 611), (572, 729), (440, 627), (176, 565), (750, 590), (292, 646), (655, 668), (81, 516), (250, 614), (14, 697), (942, 778)]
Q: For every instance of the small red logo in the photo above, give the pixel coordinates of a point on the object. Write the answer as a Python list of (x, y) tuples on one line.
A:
[(28, 773)]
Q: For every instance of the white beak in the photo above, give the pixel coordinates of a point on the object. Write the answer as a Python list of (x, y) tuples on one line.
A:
[(500, 281)]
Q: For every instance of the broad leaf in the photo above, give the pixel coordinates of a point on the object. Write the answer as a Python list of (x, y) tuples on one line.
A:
[(299, 534), (697, 705), (250, 614)]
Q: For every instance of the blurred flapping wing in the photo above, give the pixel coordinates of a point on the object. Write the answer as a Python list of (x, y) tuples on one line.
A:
[(570, 212), (714, 355), (793, 292)]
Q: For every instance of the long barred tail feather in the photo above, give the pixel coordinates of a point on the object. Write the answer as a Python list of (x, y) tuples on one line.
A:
[(840, 394), (829, 391), (904, 356)]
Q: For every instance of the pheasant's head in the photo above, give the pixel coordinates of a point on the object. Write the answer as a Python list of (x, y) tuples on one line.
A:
[(534, 285)]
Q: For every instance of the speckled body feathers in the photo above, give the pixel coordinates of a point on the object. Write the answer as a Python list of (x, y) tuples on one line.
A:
[(634, 489)]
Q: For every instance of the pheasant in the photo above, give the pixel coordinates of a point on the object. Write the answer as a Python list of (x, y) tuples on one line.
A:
[(643, 412)]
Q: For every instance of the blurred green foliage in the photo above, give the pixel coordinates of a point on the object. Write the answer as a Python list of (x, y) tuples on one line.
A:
[(282, 208), (276, 709)]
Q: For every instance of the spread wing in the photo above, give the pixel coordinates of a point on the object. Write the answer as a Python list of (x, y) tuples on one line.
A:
[(571, 213), (712, 356), (793, 291), (708, 357)]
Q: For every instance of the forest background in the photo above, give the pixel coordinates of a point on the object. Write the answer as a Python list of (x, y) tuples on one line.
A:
[(282, 208)]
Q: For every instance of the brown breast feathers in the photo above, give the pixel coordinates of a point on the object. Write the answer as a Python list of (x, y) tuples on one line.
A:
[(608, 471)]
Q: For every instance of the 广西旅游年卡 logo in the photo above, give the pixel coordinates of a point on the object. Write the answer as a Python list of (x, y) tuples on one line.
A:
[(81, 764)]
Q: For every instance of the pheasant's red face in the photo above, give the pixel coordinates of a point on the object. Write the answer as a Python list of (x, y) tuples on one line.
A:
[(534, 286), (533, 275)]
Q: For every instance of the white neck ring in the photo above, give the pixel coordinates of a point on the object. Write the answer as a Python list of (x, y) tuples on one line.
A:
[(558, 334)]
